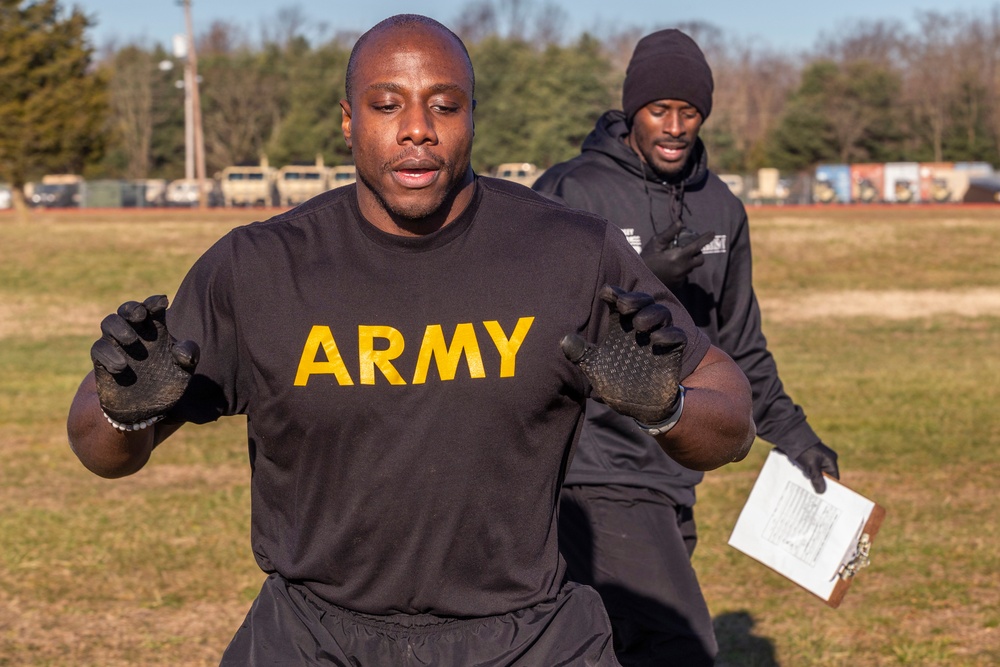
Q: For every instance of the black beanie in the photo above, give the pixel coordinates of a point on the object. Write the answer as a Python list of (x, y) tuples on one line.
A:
[(667, 65)]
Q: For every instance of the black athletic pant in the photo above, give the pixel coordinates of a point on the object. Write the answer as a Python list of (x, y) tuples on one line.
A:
[(289, 626), (634, 546)]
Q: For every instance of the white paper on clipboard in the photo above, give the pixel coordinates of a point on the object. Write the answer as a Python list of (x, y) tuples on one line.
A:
[(801, 534)]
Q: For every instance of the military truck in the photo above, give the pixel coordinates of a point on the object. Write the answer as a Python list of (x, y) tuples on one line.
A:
[(249, 185), (298, 182), (734, 182), (154, 191), (342, 175), (771, 189), (55, 191), (524, 173), (184, 192)]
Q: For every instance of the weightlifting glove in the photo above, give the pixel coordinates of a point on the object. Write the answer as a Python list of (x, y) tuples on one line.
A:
[(817, 460), (636, 368), (674, 253), (141, 371)]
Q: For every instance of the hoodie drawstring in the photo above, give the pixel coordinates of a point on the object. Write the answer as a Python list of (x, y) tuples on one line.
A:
[(676, 193)]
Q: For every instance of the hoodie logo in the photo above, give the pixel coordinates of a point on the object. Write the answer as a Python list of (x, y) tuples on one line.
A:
[(634, 239), (716, 246)]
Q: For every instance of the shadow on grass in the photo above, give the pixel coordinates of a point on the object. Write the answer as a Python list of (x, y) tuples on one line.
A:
[(738, 646)]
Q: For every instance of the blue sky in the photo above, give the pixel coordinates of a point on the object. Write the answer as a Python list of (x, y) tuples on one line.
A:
[(789, 25)]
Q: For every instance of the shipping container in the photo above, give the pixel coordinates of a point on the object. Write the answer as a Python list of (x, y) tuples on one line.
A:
[(975, 169), (982, 190), (939, 182), (867, 182), (902, 182), (109, 193), (769, 188), (832, 184)]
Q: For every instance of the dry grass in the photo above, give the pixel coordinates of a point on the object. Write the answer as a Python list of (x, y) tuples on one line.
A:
[(886, 329)]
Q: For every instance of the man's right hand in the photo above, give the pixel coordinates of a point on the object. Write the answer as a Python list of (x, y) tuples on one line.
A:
[(141, 371), (671, 261), (636, 369)]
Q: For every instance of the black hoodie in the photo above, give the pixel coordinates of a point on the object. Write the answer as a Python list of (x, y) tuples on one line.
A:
[(609, 179)]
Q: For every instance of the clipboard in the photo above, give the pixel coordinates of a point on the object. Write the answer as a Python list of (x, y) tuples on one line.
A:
[(818, 541), (862, 555)]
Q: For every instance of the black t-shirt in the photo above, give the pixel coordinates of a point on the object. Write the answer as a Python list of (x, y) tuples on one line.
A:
[(410, 413)]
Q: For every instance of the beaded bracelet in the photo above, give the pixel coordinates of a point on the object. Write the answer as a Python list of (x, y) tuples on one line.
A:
[(138, 426)]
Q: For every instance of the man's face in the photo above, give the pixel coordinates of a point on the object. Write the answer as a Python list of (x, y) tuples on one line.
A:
[(663, 134), (409, 126)]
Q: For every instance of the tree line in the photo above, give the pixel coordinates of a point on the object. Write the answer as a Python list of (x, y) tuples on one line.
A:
[(876, 91)]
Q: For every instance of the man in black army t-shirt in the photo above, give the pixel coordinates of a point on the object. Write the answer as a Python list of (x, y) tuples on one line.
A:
[(402, 351)]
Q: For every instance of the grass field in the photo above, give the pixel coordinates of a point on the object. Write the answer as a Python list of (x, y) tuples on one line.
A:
[(886, 326)]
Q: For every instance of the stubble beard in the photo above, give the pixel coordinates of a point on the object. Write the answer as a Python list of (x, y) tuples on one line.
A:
[(668, 171), (420, 209)]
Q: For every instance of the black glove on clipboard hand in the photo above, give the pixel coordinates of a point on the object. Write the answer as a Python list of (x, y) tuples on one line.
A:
[(141, 371), (815, 461), (635, 370)]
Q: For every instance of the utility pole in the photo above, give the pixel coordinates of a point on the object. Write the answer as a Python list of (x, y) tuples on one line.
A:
[(180, 52), (191, 89)]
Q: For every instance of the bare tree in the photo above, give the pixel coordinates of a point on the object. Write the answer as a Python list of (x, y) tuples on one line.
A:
[(223, 37), (993, 75), (708, 36), (549, 24), (849, 122), (241, 99), (130, 91), (514, 15), (879, 42), (289, 24), (239, 113), (972, 80), (477, 21), (619, 46), (985, 37), (511, 19), (752, 85), (929, 84)]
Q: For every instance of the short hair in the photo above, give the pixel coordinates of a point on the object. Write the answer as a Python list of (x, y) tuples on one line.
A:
[(399, 21)]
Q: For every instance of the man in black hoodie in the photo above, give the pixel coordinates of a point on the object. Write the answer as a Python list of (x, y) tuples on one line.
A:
[(627, 524)]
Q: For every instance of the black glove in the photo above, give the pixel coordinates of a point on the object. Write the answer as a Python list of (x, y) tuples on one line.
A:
[(141, 371), (673, 254), (636, 368), (817, 460)]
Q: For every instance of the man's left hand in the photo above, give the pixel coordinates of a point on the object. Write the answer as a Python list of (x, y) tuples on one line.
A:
[(675, 253), (817, 460)]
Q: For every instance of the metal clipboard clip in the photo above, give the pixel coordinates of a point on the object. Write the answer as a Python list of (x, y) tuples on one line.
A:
[(859, 561)]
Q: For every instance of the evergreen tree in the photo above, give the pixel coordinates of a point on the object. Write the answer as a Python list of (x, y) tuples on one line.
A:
[(571, 90), (504, 68), (52, 107), (840, 113), (311, 125), (168, 152), (537, 105)]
